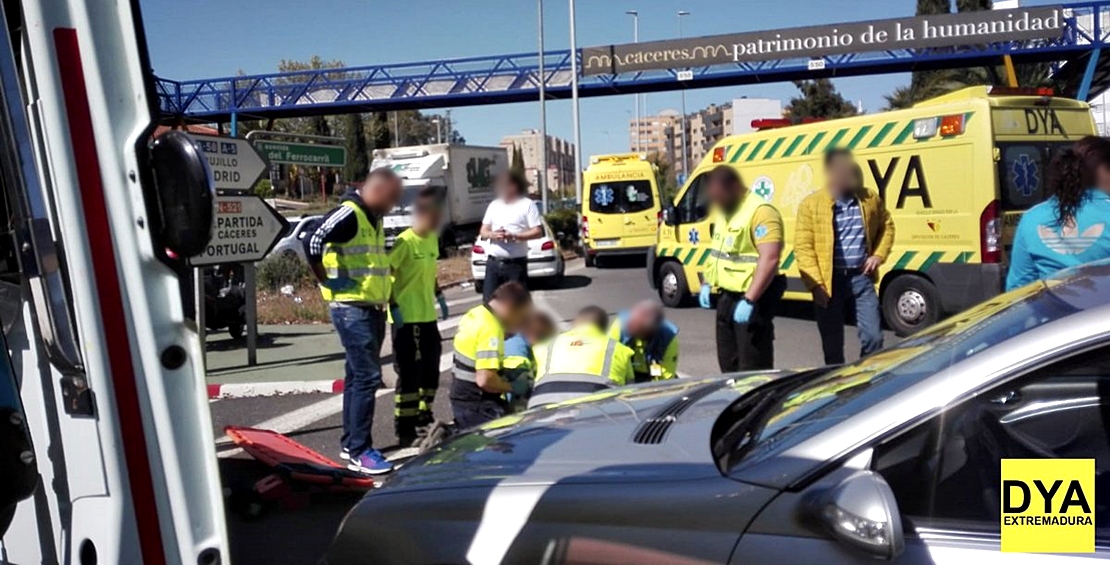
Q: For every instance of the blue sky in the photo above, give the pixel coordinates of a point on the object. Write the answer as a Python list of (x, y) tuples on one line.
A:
[(191, 39)]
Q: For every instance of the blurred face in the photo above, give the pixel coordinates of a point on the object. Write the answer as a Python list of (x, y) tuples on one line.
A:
[(724, 193), (428, 215), (516, 317), (506, 189), (540, 330), (381, 193), (642, 322), (841, 175), (1102, 178)]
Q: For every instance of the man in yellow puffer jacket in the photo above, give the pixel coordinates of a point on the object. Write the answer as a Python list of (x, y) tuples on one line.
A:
[(843, 235)]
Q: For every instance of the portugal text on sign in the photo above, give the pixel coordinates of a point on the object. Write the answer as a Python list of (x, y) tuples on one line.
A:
[(245, 230)]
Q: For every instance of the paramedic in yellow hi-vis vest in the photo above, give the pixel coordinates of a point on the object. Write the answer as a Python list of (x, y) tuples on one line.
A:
[(744, 267), (479, 383), (347, 255), (580, 361), (416, 342)]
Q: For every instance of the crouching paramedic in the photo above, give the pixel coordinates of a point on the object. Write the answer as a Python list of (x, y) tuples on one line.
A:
[(478, 386), (652, 338), (519, 361), (416, 340), (580, 361)]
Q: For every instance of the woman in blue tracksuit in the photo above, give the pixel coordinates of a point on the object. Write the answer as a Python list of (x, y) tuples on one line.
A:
[(1072, 227)]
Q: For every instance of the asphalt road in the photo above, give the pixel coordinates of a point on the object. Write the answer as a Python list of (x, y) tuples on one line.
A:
[(301, 534)]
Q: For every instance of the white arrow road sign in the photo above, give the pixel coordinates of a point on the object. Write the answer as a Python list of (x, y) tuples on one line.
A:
[(235, 163), (246, 229)]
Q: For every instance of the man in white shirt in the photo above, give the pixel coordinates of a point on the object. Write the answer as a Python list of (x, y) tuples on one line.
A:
[(510, 221)]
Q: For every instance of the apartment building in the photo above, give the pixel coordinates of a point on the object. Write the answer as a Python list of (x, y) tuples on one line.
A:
[(560, 158)]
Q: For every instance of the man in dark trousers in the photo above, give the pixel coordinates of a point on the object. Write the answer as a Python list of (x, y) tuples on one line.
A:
[(510, 221), (843, 235), (416, 340), (347, 255), (744, 267)]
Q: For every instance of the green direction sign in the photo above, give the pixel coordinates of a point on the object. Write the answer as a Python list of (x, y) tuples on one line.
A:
[(302, 153)]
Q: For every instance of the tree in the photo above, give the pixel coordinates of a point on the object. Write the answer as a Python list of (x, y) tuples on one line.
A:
[(380, 136), (358, 155), (819, 99), (517, 161), (664, 176)]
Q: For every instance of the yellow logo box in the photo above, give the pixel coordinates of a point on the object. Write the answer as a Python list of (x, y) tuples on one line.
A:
[(1048, 505)]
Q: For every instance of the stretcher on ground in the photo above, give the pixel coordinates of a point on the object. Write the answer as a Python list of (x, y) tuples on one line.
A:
[(298, 469)]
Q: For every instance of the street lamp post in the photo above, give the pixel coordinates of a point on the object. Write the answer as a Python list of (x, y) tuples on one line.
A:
[(439, 129), (636, 39), (574, 107), (541, 177), (685, 132)]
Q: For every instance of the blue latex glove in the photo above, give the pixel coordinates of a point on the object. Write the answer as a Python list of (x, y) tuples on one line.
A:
[(521, 387), (743, 312), (703, 296), (395, 315), (443, 311), (339, 284)]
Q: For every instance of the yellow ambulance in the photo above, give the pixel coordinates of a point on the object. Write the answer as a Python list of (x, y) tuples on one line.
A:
[(621, 208), (956, 172)]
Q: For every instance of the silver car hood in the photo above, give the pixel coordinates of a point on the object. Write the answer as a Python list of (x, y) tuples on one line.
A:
[(658, 431)]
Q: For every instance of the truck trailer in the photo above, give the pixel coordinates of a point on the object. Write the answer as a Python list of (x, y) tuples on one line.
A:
[(463, 173)]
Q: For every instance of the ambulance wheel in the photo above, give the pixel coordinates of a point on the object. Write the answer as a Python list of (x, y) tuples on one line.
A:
[(673, 289), (591, 260), (910, 303), (235, 330)]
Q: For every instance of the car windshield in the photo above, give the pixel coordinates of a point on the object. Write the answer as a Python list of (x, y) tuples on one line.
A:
[(621, 197), (819, 401)]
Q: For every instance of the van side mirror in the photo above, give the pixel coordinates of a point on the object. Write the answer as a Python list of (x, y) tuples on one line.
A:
[(185, 195), (861, 512), (669, 216), (17, 456)]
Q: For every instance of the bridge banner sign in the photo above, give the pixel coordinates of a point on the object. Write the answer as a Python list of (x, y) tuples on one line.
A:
[(918, 32)]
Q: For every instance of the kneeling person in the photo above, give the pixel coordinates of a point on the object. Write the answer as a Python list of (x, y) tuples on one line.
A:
[(478, 385), (652, 338), (519, 361), (580, 361)]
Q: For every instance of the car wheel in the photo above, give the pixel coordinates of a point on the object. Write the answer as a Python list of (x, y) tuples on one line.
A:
[(673, 288), (910, 303), (478, 286), (235, 329)]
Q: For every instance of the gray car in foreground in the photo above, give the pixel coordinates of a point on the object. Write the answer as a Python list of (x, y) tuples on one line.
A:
[(895, 457)]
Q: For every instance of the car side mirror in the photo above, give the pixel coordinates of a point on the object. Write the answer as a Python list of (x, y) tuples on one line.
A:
[(186, 198), (669, 216), (861, 512)]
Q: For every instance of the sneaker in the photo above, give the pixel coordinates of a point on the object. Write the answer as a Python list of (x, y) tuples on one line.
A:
[(370, 462), (345, 454)]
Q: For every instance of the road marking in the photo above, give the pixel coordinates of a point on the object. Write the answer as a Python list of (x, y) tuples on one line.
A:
[(467, 300), (297, 419)]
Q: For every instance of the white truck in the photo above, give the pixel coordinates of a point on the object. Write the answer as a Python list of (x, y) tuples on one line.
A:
[(464, 173)]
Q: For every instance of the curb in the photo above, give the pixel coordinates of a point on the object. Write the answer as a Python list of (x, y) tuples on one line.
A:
[(249, 390)]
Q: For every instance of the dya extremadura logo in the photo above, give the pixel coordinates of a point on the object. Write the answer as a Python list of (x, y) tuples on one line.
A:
[(1048, 505)]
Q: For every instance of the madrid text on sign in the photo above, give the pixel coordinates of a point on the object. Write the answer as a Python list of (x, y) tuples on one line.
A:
[(235, 165), (944, 30), (280, 152)]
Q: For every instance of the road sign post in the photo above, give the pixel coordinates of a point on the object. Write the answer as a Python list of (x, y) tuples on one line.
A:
[(310, 154), (235, 164), (246, 229)]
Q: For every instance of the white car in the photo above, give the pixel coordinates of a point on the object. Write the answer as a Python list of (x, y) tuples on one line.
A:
[(292, 241), (545, 260)]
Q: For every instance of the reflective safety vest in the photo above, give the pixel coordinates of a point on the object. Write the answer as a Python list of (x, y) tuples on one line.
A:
[(363, 259), (578, 362), (653, 360), (733, 257), (479, 345)]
